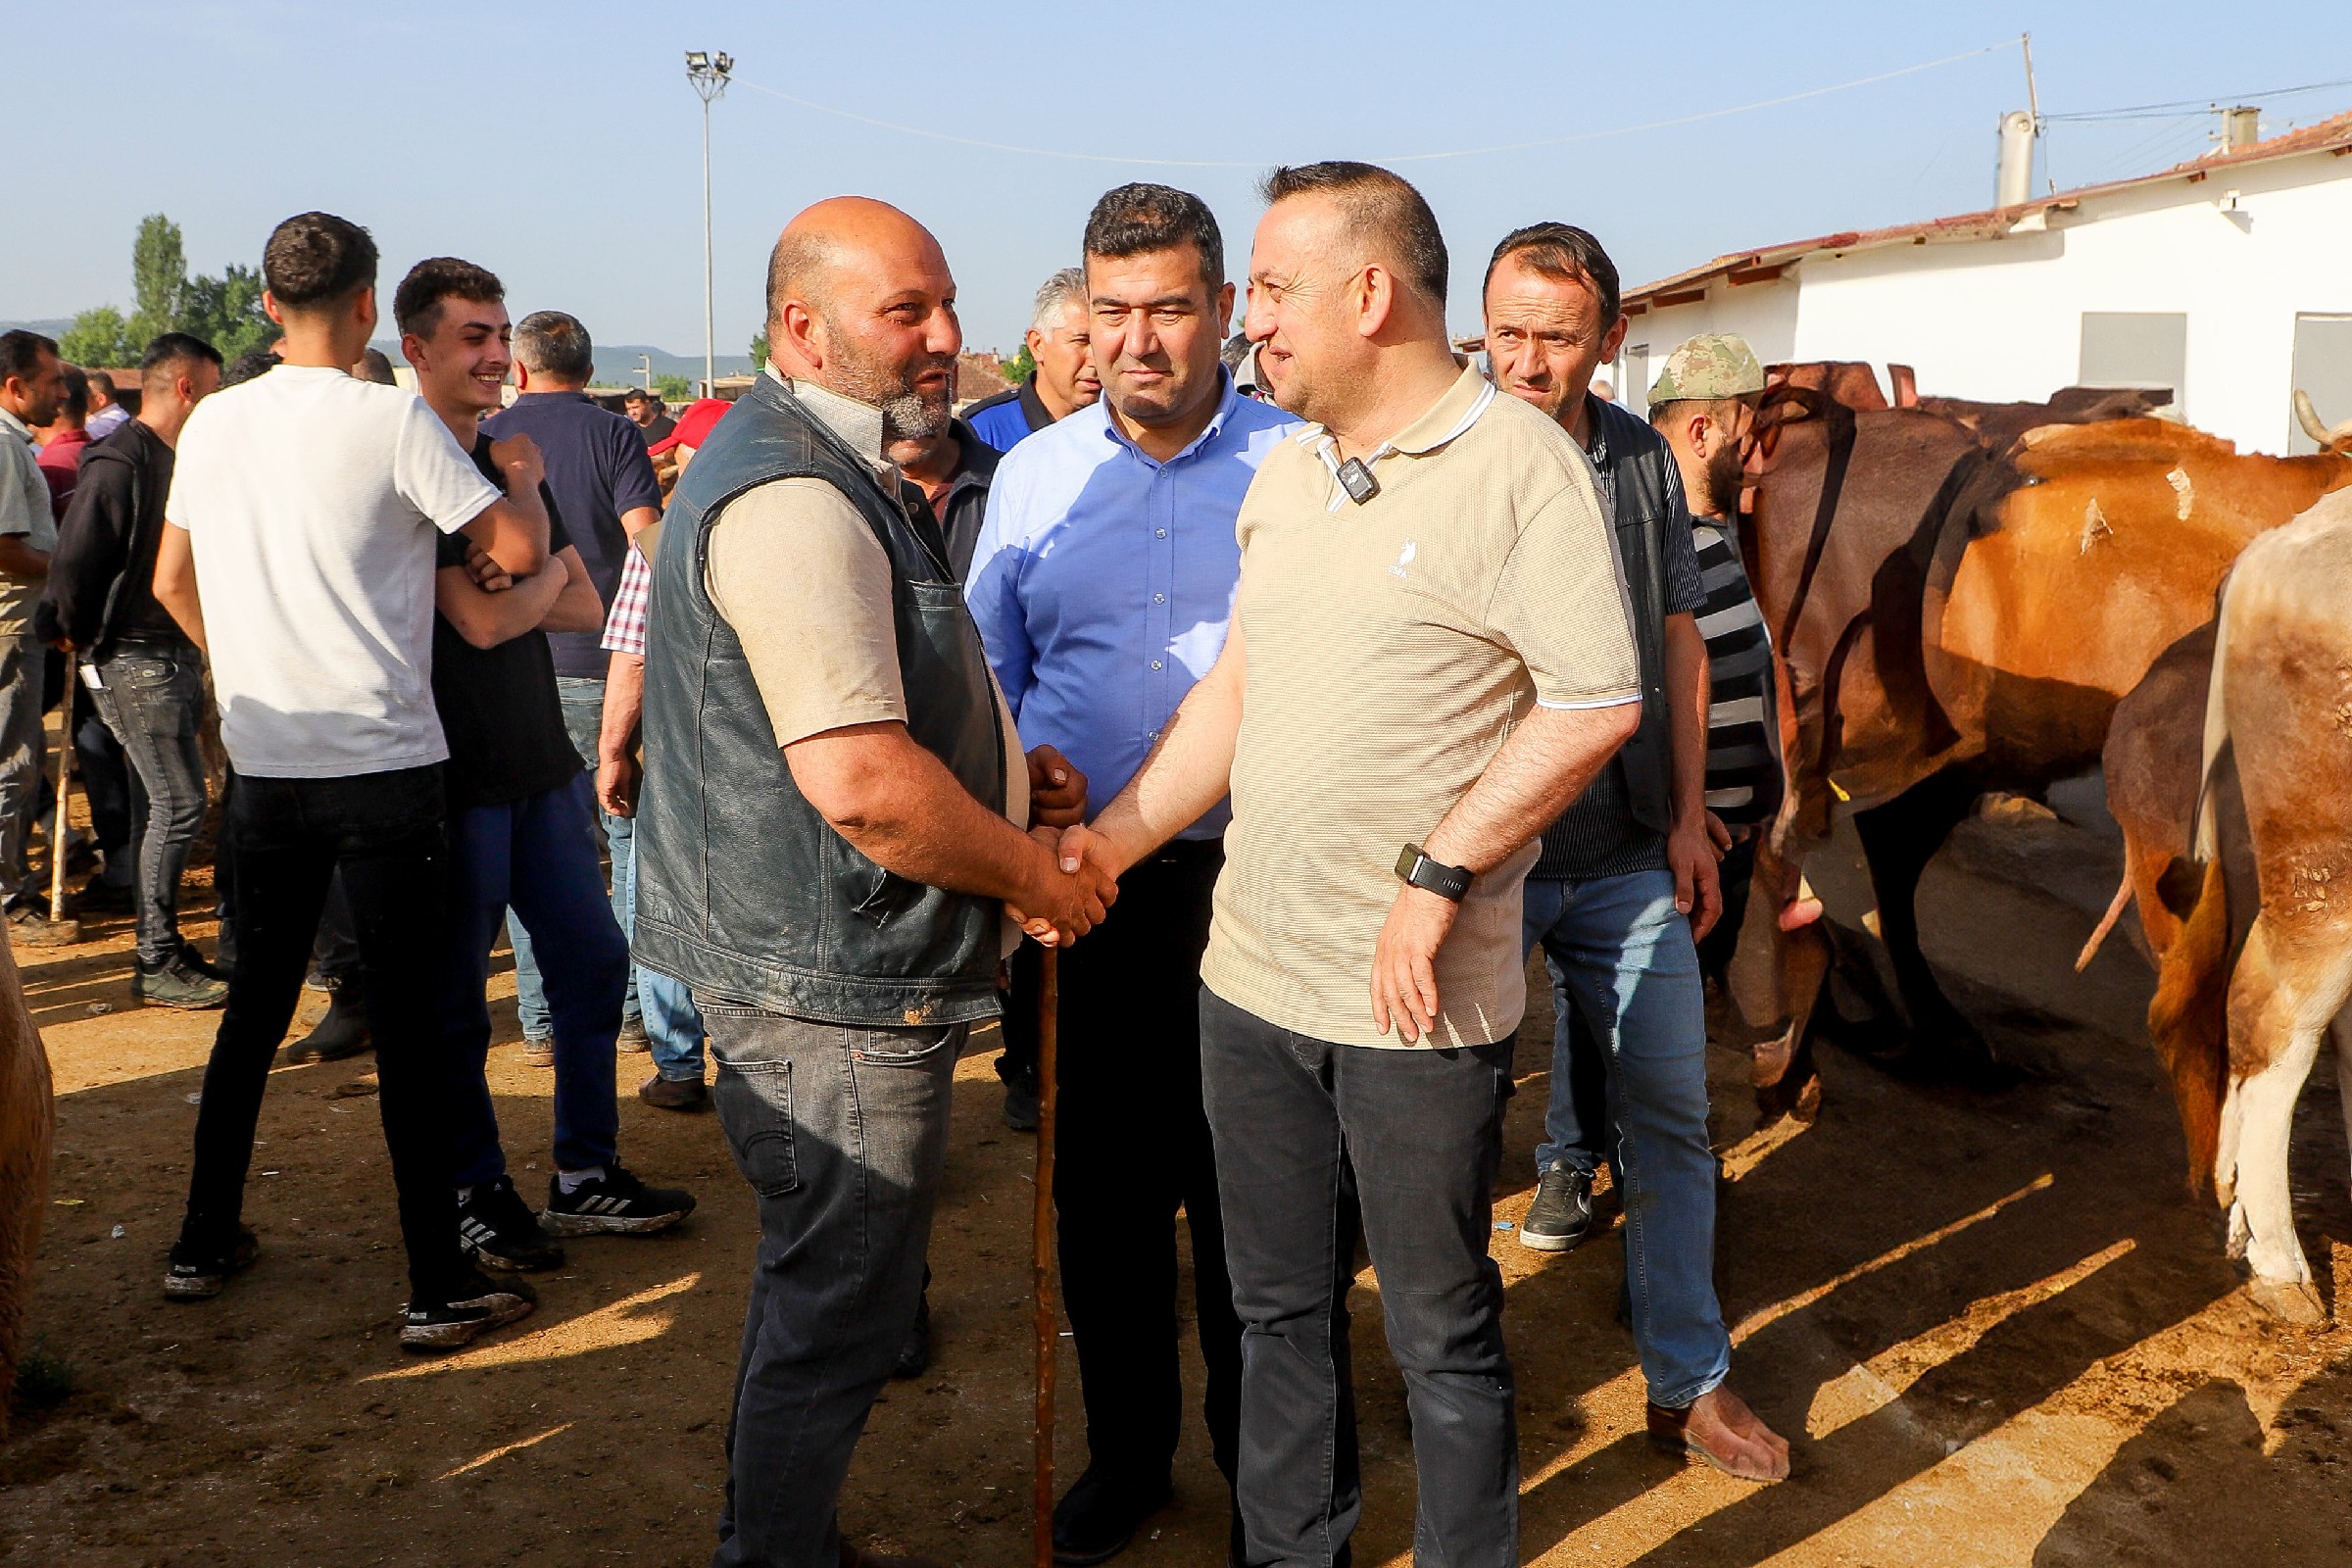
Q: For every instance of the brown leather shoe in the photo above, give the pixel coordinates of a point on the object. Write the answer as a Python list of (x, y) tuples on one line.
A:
[(675, 1094), (1719, 1428)]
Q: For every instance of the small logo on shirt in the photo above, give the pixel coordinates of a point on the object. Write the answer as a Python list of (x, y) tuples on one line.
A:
[(1405, 559)]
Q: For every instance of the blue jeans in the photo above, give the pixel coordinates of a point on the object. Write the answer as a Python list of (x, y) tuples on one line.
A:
[(1625, 977), (537, 856), (674, 1027), (654, 1001)]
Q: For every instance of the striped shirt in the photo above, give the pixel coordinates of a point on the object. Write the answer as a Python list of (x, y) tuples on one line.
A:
[(1744, 731)]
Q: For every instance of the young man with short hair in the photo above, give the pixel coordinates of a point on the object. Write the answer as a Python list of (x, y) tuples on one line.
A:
[(299, 556), (521, 823), (66, 439), (106, 413), (33, 383), (646, 412), (146, 678)]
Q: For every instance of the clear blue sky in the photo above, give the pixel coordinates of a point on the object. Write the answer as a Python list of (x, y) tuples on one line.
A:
[(558, 143)]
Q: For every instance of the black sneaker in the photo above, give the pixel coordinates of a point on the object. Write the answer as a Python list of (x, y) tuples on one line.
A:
[(1561, 1216), (1098, 1516), (614, 1203), (197, 1276), (1020, 1107), (498, 1228), (477, 1305), (176, 983)]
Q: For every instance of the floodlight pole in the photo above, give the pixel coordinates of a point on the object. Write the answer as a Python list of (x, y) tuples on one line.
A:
[(709, 75)]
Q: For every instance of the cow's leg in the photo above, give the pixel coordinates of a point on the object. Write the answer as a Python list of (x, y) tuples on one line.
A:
[(1898, 839), (2284, 994)]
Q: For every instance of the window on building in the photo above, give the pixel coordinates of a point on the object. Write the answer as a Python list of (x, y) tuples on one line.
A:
[(2322, 368), (1633, 377), (2137, 349)]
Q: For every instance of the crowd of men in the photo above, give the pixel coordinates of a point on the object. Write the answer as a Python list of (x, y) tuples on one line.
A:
[(1294, 690)]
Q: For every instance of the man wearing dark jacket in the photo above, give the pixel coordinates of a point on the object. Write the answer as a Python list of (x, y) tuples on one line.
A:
[(144, 674)]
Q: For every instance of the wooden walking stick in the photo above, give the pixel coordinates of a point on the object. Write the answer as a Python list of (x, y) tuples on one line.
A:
[(65, 781), (1041, 1251)]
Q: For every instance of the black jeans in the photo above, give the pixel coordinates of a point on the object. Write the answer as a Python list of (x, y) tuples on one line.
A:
[(384, 832), (1423, 1132), (1131, 1147), (151, 698)]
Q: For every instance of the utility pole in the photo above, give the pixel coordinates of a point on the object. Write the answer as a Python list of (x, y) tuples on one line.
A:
[(709, 75), (2034, 107), (645, 368)]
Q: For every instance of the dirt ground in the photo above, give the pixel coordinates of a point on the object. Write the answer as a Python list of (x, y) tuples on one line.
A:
[(1994, 1325)]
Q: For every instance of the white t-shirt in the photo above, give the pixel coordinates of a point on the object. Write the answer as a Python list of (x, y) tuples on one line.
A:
[(310, 502)]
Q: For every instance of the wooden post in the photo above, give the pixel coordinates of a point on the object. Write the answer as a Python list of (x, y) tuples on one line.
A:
[(65, 778), (1041, 1254)]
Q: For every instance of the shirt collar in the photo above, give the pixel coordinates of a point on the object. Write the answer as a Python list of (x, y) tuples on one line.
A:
[(857, 423), (9, 422), (573, 393), (1227, 398), (1597, 422), (1446, 419)]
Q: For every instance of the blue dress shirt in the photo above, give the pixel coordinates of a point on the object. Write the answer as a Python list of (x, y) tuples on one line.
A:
[(1103, 580)]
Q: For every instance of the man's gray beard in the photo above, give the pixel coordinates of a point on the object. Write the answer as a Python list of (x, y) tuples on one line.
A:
[(911, 416)]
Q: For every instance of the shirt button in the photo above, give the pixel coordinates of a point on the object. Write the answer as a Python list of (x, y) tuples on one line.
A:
[(1160, 534), (1155, 663), (1160, 599)]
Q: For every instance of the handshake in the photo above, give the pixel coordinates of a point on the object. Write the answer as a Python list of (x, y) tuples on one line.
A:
[(1072, 883)]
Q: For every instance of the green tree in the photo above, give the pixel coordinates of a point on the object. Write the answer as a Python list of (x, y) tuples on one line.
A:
[(759, 352), (98, 336), (1017, 369), (159, 279), (226, 312), (673, 388)]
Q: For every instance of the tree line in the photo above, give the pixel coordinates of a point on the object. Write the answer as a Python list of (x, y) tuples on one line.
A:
[(226, 310)]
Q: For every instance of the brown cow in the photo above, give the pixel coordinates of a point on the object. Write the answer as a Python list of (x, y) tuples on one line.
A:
[(1957, 617), (27, 1128)]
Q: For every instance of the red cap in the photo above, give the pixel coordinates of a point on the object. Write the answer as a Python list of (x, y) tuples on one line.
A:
[(695, 425)]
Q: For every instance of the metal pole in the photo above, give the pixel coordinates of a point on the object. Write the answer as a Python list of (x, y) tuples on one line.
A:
[(2034, 107), (1047, 1323), (709, 337), (64, 782)]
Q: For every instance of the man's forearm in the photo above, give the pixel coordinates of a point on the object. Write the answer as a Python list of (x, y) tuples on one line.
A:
[(624, 707), (18, 558), (1686, 705), (901, 808), (1546, 763)]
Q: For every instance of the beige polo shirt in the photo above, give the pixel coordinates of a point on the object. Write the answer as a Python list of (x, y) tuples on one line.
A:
[(798, 575), (1389, 647)]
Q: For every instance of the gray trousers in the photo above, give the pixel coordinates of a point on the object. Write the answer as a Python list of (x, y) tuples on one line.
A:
[(153, 700), (21, 750), (842, 1133)]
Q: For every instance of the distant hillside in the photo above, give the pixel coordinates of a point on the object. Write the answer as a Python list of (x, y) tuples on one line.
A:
[(55, 327), (617, 362)]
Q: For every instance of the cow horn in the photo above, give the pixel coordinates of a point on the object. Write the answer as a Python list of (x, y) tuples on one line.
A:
[(2309, 418)]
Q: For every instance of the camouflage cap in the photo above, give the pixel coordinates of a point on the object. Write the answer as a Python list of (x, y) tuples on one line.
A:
[(1712, 365)]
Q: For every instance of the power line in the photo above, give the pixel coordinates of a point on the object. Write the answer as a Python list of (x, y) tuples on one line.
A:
[(2166, 110), (1396, 158)]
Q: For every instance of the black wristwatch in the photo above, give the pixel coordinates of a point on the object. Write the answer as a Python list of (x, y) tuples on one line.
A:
[(1450, 882)]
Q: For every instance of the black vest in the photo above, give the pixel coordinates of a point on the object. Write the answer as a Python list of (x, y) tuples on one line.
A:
[(744, 892)]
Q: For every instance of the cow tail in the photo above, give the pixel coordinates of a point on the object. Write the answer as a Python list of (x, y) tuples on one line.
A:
[(2207, 843), (2188, 1022)]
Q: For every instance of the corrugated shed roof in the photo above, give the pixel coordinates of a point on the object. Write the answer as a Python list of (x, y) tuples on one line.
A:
[(2333, 136)]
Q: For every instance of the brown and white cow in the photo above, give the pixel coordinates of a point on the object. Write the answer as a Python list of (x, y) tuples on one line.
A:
[(27, 1128), (1957, 617)]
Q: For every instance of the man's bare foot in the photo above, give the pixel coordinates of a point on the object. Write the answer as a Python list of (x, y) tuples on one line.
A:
[(1721, 1430)]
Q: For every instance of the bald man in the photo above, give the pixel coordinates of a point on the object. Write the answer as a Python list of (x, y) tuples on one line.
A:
[(832, 830)]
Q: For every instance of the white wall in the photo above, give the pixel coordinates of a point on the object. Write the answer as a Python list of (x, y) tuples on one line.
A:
[(2001, 318)]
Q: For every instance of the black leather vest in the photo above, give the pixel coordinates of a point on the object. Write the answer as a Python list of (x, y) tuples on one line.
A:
[(744, 891)]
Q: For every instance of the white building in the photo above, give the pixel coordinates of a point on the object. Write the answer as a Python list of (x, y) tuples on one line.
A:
[(2228, 279)]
